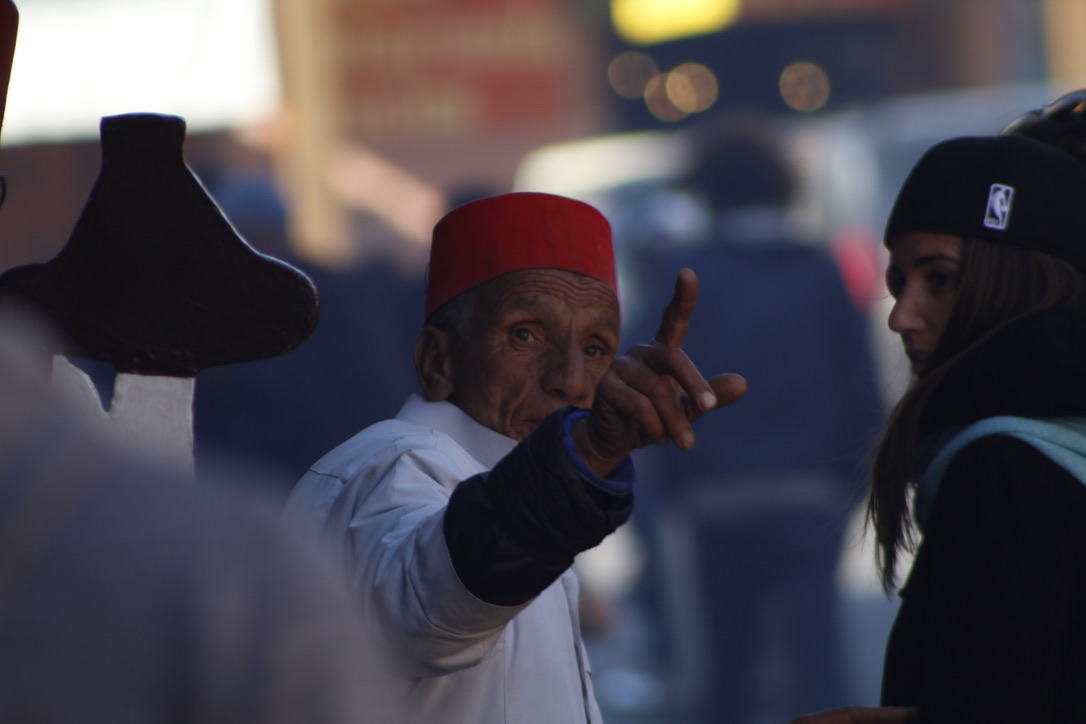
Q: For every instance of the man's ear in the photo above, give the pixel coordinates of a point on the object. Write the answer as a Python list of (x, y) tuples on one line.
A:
[(433, 364)]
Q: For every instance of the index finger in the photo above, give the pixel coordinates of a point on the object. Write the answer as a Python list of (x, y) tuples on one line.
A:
[(675, 322)]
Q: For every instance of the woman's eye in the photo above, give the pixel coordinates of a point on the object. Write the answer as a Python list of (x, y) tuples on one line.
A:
[(895, 283), (941, 280)]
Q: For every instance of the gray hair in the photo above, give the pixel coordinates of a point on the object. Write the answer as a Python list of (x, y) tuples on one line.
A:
[(455, 316)]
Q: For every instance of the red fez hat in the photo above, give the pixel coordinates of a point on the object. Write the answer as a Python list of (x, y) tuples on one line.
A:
[(484, 239)]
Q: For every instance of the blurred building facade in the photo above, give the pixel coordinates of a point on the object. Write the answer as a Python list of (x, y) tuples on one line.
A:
[(389, 108)]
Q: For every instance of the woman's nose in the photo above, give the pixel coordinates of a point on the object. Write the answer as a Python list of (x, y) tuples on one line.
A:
[(905, 315)]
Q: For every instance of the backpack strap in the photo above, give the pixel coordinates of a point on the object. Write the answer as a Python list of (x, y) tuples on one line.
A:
[(1060, 439)]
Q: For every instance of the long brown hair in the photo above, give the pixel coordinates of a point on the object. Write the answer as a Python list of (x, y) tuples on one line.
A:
[(998, 284)]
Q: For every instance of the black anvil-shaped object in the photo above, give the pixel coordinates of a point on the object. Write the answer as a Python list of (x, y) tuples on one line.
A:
[(154, 279)]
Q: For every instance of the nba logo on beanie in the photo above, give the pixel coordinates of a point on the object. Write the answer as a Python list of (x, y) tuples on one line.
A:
[(999, 206)]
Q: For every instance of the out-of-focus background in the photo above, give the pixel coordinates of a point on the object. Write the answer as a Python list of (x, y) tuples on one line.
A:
[(334, 133)]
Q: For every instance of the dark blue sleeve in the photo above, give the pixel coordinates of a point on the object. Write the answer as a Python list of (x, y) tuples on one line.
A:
[(511, 532)]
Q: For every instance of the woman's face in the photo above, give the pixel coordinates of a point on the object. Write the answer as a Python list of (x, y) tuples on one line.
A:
[(923, 280)]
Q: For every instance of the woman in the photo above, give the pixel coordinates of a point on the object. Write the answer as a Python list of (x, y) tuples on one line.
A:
[(988, 269), (987, 245)]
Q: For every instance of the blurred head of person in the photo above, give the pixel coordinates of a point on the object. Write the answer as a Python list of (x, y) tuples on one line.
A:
[(739, 163), (1061, 123)]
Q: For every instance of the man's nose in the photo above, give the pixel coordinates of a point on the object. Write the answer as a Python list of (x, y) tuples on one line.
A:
[(566, 375)]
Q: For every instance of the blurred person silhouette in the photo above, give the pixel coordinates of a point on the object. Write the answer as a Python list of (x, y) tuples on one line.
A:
[(285, 411), (762, 503), (129, 596)]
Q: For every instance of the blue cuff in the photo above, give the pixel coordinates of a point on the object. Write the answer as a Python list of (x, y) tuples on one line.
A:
[(622, 478)]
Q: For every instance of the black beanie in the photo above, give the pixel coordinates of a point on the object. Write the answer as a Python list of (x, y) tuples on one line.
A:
[(1006, 189)]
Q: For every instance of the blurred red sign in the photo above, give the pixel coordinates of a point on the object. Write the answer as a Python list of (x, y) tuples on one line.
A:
[(441, 69)]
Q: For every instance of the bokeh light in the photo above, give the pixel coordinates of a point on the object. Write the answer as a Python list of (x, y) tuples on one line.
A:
[(630, 72), (658, 101), (805, 86), (692, 87), (644, 22)]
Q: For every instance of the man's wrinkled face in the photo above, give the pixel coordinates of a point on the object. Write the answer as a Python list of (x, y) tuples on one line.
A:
[(540, 339)]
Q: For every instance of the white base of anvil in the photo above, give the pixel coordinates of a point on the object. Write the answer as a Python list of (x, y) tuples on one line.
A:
[(150, 414)]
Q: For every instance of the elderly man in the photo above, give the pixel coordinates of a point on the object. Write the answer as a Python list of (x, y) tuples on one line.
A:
[(461, 517)]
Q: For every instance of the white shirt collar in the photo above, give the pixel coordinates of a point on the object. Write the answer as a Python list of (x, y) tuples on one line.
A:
[(482, 443)]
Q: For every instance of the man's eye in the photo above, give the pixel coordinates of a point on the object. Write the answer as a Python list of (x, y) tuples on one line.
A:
[(523, 334), (594, 350)]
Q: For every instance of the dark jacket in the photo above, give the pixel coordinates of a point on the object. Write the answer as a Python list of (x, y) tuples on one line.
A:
[(992, 624), (512, 531)]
